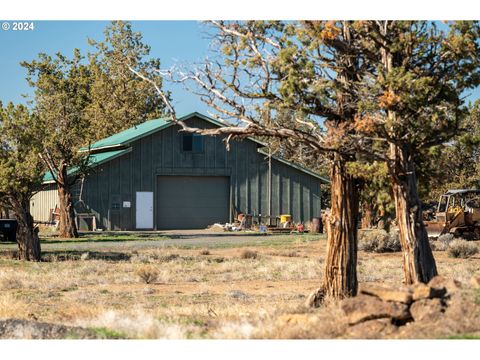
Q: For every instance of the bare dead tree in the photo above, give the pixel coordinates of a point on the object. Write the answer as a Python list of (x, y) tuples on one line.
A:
[(309, 69)]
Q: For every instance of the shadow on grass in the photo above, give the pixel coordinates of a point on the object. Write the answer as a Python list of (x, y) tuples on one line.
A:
[(103, 239), (72, 255)]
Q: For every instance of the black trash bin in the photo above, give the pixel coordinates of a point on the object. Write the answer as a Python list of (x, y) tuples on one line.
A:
[(8, 230)]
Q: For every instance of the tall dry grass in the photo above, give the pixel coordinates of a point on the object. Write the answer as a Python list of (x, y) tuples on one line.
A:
[(195, 295)]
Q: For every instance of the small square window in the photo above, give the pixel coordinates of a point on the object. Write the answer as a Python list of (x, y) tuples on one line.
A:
[(193, 143)]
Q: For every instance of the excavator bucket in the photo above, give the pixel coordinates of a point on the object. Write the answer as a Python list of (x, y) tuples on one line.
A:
[(435, 228)]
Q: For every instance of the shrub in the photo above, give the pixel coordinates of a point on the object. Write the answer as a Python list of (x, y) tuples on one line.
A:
[(462, 249), (443, 241), (204, 252), (168, 258), (248, 254), (379, 241), (147, 274), (392, 243)]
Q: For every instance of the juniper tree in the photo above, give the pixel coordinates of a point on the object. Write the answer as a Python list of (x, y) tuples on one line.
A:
[(119, 99), (79, 101), (310, 70), (21, 171), (61, 97), (456, 164), (413, 102), (376, 201)]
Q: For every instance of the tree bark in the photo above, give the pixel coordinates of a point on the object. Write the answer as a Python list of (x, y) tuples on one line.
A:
[(340, 277), (27, 235), (418, 261), (67, 226), (368, 214)]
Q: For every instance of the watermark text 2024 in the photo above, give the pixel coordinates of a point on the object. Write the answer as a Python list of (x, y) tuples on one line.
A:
[(18, 26)]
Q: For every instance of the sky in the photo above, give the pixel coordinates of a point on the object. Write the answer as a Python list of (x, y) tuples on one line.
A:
[(174, 42)]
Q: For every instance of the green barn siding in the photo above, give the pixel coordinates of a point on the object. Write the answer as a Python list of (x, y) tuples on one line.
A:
[(125, 192), (263, 187), (157, 150), (284, 195), (293, 191), (104, 195), (146, 169), (276, 192)]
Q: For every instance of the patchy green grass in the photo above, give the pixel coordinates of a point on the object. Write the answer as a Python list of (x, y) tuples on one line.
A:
[(267, 241), (107, 237), (464, 337), (113, 246), (477, 296), (105, 333)]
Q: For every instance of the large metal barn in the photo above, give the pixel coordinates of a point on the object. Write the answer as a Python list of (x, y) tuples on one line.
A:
[(153, 177)]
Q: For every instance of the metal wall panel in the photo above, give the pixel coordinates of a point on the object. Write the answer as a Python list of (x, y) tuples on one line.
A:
[(160, 154), (44, 201)]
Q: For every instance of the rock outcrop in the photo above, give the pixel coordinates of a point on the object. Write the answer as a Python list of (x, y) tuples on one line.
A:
[(379, 309)]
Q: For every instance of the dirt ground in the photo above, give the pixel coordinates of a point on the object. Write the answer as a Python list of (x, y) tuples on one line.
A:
[(194, 285)]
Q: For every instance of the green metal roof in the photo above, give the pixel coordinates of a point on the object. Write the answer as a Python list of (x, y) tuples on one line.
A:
[(129, 135), (148, 127), (94, 160), (151, 126)]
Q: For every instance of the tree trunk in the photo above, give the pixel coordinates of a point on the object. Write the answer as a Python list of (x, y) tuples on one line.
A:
[(27, 235), (418, 261), (340, 277), (67, 226), (368, 214)]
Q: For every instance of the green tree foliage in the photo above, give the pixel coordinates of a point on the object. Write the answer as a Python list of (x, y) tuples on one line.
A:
[(79, 101), (62, 94), (390, 89), (119, 99), (456, 164), (376, 201), (21, 172), (413, 101)]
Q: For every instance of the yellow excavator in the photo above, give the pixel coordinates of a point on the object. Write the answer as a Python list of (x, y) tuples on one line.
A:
[(458, 213)]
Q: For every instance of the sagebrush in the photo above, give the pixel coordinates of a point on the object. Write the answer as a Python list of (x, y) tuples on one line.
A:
[(462, 249), (379, 241), (248, 254), (148, 274)]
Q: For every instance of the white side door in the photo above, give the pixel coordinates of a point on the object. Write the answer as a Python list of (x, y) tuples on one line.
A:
[(144, 210)]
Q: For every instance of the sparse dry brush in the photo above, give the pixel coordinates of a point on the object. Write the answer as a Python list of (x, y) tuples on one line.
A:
[(442, 242), (248, 254), (222, 295), (379, 241), (148, 274), (462, 249)]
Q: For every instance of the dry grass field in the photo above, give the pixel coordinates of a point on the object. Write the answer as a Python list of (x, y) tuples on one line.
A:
[(116, 288)]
